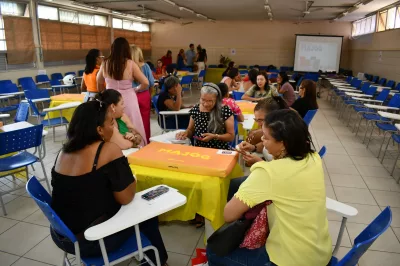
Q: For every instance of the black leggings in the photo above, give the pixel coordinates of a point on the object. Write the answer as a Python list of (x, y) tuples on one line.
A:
[(92, 248)]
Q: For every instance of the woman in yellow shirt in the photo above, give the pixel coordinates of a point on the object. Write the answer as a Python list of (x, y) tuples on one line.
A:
[(294, 181), (94, 58)]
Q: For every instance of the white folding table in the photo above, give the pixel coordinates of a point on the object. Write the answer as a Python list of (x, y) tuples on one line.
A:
[(184, 111)]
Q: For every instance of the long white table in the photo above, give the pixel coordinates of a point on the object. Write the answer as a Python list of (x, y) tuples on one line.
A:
[(184, 111)]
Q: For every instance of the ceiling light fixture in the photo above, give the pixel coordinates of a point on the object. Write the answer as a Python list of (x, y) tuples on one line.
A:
[(170, 2), (119, 13), (83, 5), (201, 16), (181, 8)]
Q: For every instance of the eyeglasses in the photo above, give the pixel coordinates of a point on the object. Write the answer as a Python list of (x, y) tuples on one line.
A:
[(258, 120), (206, 101)]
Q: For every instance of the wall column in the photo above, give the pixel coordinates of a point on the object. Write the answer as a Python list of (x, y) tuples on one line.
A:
[(36, 34)]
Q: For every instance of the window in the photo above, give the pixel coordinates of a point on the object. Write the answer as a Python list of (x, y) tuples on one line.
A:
[(391, 17), (100, 20), (86, 19), (382, 21), (397, 24), (117, 23), (364, 26), (68, 16), (135, 26), (47, 12), (14, 9)]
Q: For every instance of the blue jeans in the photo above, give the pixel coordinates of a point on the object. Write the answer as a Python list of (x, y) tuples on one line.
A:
[(241, 257)]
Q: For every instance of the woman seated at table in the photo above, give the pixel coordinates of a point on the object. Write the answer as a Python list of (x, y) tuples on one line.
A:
[(228, 101), (232, 80), (308, 98), (261, 91), (160, 70), (125, 135), (98, 184), (250, 80), (294, 182), (211, 124), (171, 100), (253, 143), (230, 66), (285, 88), (93, 62)]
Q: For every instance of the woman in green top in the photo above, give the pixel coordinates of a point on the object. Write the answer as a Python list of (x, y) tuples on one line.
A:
[(125, 135), (261, 90)]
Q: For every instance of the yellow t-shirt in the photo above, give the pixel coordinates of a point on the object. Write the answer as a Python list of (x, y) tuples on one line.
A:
[(297, 216)]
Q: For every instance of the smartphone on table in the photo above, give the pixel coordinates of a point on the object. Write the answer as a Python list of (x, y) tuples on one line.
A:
[(155, 193)]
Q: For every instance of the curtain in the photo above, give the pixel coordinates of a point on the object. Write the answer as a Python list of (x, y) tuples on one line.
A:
[(19, 40), (66, 41), (141, 39)]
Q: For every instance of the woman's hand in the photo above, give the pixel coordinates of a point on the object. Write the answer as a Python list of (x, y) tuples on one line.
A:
[(181, 135), (245, 146), (251, 158), (207, 137)]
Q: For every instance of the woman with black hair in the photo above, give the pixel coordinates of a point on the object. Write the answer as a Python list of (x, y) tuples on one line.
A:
[(230, 66), (294, 182), (308, 98), (261, 91), (94, 58), (250, 80), (91, 180), (285, 88), (232, 79)]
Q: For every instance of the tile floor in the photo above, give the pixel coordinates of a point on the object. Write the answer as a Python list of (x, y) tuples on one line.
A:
[(352, 173)]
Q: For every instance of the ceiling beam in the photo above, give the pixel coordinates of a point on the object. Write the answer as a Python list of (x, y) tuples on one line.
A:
[(331, 6), (153, 10), (117, 1)]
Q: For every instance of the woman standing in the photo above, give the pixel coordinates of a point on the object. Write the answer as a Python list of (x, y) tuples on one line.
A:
[(285, 88), (200, 59), (308, 98), (181, 59), (144, 94), (93, 61), (261, 90), (118, 71)]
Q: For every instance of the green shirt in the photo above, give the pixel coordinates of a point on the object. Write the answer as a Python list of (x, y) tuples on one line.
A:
[(271, 91), (122, 127)]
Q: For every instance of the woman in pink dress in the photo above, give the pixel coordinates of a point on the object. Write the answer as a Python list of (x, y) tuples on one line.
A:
[(117, 72)]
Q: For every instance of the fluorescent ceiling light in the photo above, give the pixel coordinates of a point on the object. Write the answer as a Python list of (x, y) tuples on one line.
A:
[(201, 16), (118, 13), (170, 2), (186, 9), (83, 5), (151, 20)]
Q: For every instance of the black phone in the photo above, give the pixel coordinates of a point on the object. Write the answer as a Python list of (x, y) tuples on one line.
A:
[(152, 194)]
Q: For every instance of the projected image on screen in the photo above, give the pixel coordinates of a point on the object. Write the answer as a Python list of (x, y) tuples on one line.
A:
[(314, 53)]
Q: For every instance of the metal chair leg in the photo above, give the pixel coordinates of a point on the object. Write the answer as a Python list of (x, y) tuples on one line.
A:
[(339, 239), (395, 163), (383, 142), (366, 131), (2, 205), (370, 135), (384, 152)]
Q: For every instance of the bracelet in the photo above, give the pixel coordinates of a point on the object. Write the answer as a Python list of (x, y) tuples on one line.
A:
[(216, 136)]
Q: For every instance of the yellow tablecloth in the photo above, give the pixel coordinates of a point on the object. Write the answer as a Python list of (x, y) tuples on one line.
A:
[(65, 98), (206, 195), (246, 107)]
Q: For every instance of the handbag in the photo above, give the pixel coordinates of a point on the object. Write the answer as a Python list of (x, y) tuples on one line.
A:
[(229, 236)]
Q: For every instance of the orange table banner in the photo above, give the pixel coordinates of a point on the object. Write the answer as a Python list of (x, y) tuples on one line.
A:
[(246, 107), (186, 159), (68, 97)]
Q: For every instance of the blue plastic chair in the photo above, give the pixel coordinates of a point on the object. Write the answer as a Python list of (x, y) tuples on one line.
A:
[(243, 72), (27, 83), (127, 250), (17, 142), (365, 239), (6, 86), (382, 81), (162, 118), (273, 76), (200, 78), (274, 71), (237, 95), (309, 116), (56, 82), (397, 87), (42, 78), (186, 83), (375, 79), (322, 152), (70, 73), (80, 73), (186, 69), (390, 84), (395, 138), (22, 113), (58, 76), (236, 128), (299, 82)]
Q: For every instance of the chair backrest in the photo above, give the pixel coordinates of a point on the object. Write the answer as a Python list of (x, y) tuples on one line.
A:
[(36, 94), (55, 82), (382, 81), (273, 76), (397, 87), (56, 76), (80, 73), (236, 128), (357, 83), (322, 152), (202, 73), (5, 82), (371, 90), (70, 73), (382, 96), (299, 82), (309, 116), (365, 86), (27, 83), (349, 78), (243, 72), (367, 237), (394, 101), (42, 78), (237, 95), (8, 87), (186, 80), (390, 84), (155, 101), (274, 71), (375, 79), (21, 139), (22, 113), (43, 200), (243, 66)]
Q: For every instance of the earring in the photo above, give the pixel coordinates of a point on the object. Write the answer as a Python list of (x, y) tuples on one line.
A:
[(281, 155)]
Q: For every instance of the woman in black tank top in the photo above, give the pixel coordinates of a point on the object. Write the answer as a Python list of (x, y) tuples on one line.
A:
[(91, 179)]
